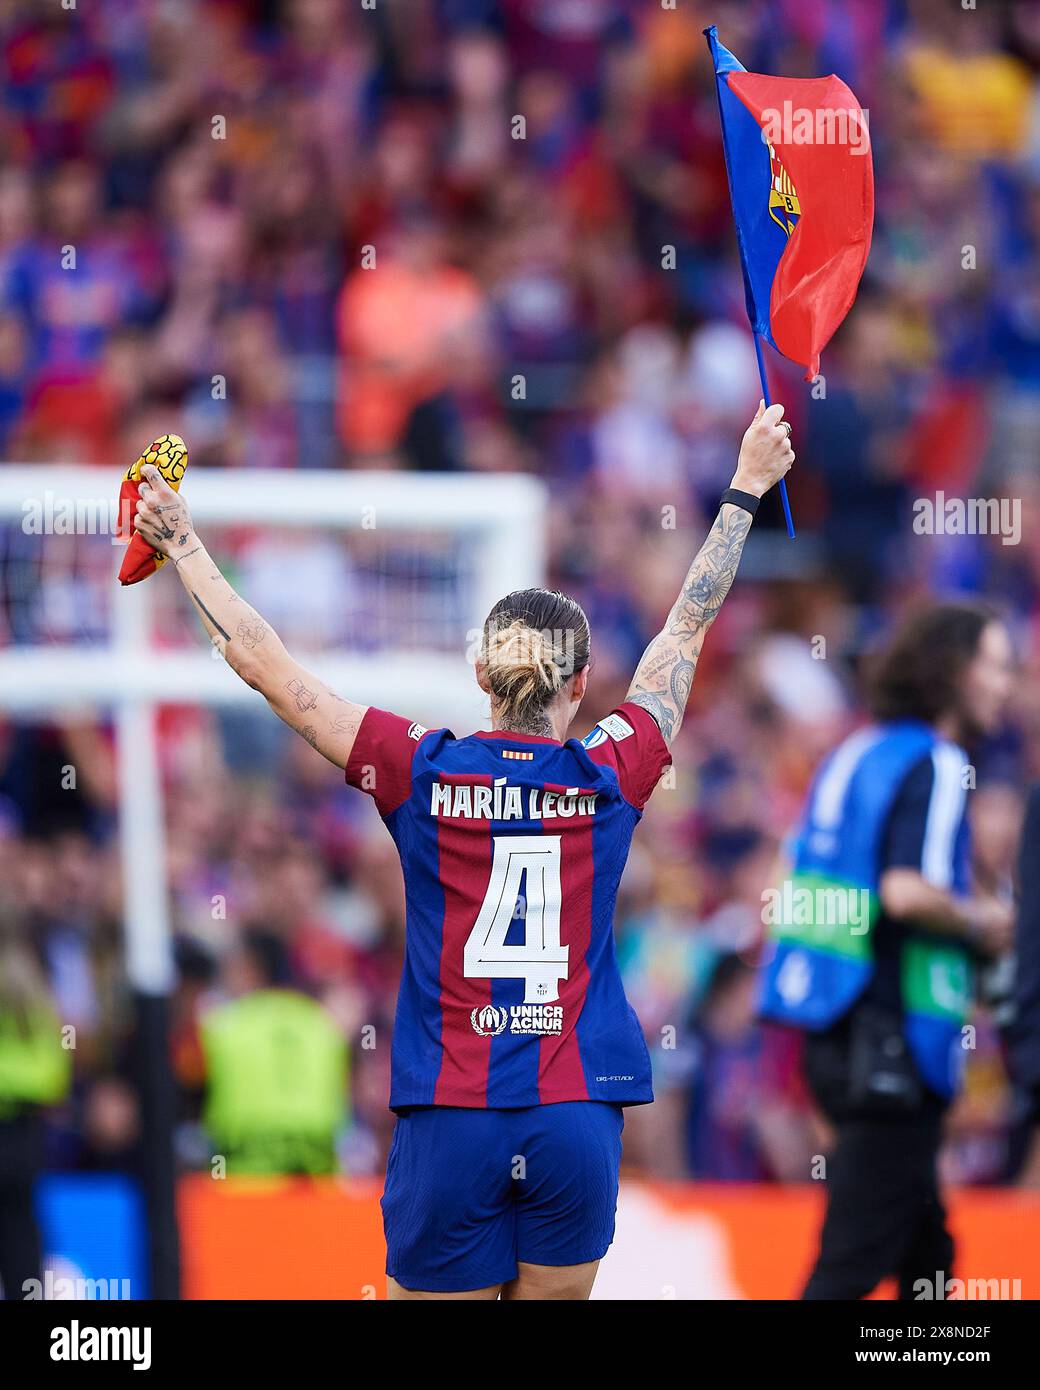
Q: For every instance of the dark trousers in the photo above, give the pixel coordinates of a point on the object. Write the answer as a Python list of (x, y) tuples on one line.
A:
[(21, 1256), (884, 1214)]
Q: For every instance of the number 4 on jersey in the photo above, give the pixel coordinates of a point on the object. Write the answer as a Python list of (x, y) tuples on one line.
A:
[(540, 961)]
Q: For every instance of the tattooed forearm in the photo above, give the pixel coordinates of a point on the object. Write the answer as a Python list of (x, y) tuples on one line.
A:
[(251, 631), (664, 677), (712, 573), (209, 617), (256, 653)]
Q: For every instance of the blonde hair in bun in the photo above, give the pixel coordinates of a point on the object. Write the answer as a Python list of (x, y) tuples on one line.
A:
[(522, 670), (533, 641)]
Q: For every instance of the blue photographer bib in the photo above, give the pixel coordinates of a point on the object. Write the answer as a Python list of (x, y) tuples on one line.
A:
[(823, 920)]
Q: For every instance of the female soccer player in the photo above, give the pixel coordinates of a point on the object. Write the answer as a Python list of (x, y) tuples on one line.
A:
[(514, 1047)]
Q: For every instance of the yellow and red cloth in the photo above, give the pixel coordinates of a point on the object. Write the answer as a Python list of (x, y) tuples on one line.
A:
[(169, 454)]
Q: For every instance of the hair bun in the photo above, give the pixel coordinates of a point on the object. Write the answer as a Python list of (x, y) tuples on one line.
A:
[(534, 640), (521, 666)]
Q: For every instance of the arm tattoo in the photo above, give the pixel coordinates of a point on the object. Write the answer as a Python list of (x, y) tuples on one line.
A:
[(711, 574), (681, 681), (663, 712), (252, 632), (664, 678), (305, 699), (345, 724), (205, 611)]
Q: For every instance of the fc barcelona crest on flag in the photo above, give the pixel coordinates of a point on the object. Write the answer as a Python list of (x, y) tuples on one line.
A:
[(784, 207)]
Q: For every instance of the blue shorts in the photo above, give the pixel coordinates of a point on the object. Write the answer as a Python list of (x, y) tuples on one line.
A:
[(471, 1192)]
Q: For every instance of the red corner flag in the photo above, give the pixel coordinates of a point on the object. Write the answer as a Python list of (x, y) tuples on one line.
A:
[(802, 184), (801, 181), (170, 455)]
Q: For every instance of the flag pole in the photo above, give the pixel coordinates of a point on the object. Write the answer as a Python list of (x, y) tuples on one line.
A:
[(766, 397)]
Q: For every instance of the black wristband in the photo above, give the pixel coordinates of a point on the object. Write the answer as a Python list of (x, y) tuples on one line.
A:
[(747, 500)]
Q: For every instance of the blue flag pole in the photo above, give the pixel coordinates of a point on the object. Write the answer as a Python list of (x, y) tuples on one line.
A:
[(766, 397), (723, 61)]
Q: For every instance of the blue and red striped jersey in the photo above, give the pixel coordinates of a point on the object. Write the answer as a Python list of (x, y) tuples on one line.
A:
[(512, 848)]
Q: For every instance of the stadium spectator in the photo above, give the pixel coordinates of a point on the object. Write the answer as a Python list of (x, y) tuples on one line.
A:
[(276, 1069), (34, 1072)]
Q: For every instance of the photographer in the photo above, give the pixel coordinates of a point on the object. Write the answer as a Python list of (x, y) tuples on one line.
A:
[(884, 998)]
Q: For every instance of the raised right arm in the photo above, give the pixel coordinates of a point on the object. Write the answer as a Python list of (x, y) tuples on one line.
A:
[(248, 644)]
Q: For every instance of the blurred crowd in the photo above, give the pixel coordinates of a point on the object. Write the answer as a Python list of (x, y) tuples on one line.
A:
[(495, 235)]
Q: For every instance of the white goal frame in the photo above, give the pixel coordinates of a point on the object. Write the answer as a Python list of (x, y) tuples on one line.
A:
[(502, 517)]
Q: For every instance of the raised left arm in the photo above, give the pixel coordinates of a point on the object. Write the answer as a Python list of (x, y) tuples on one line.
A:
[(664, 676), (248, 644)]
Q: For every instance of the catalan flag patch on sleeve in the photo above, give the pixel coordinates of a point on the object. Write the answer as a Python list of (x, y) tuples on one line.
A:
[(516, 753)]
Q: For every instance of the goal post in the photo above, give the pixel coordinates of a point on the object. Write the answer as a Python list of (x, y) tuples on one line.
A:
[(499, 518), (73, 639)]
